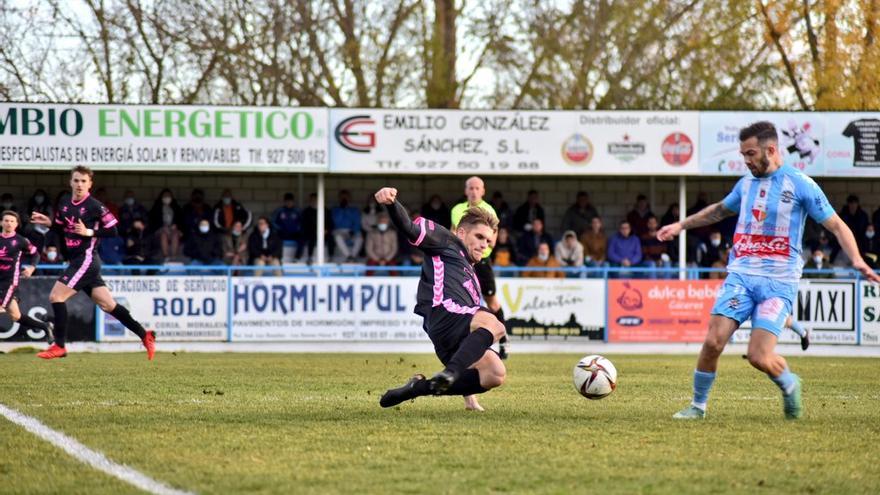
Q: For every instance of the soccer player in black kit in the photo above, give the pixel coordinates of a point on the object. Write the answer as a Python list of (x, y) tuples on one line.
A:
[(13, 247), (81, 219), (448, 299)]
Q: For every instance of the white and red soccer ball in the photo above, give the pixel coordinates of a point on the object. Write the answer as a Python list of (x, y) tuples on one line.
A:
[(595, 377)]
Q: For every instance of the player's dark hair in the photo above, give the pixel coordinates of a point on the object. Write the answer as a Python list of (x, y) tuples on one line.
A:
[(763, 130), (82, 169), (11, 214), (478, 216)]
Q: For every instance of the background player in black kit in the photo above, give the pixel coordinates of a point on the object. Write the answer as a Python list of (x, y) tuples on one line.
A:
[(449, 301), (12, 248), (81, 219)]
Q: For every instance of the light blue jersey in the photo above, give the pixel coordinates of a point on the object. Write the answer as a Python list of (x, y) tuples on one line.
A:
[(772, 212), (765, 262)]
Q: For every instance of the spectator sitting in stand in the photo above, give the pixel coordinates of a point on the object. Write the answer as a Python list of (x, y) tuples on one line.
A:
[(166, 223), (504, 251), (227, 211), (370, 216), (130, 211), (818, 261), (527, 213), (287, 222), (264, 247), (870, 246), (204, 247), (502, 209), (654, 251), (382, 245), (112, 251), (51, 255), (595, 244), (671, 215), (579, 215), (638, 216), (7, 203), (824, 244), (527, 245), (39, 203), (542, 259), (194, 212), (624, 249), (570, 253), (713, 254), (140, 246), (435, 209), (235, 245), (703, 232), (347, 228)]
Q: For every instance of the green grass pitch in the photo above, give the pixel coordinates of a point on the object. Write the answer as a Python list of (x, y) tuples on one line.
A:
[(310, 423)]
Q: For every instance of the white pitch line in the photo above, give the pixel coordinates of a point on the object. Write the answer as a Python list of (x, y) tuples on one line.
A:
[(88, 456)]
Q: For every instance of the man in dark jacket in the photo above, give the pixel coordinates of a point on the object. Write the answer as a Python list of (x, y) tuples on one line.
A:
[(203, 246), (227, 211), (264, 247)]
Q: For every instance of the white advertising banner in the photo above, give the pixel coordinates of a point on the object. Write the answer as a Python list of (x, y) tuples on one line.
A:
[(870, 308), (514, 143), (177, 308), (801, 140), (333, 308), (163, 137), (826, 308), (853, 144), (553, 307)]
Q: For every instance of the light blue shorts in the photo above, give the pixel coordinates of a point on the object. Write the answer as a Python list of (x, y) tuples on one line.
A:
[(767, 302)]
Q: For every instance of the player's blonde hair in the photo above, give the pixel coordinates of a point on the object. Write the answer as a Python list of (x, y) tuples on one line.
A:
[(478, 216)]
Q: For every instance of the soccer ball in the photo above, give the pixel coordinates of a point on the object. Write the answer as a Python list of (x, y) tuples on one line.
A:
[(595, 377)]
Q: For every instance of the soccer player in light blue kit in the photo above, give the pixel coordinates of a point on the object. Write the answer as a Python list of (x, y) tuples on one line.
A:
[(765, 262)]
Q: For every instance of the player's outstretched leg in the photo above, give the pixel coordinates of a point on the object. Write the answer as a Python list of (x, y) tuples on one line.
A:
[(799, 329), (103, 298), (763, 357), (485, 330), (720, 330), (486, 374)]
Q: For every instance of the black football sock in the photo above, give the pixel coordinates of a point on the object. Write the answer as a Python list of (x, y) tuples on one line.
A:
[(470, 351), (121, 313), (28, 322), (60, 310), (467, 384)]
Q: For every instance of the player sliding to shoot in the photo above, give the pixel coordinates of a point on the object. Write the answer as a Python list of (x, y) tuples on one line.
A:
[(81, 219), (448, 299), (765, 263), (12, 247)]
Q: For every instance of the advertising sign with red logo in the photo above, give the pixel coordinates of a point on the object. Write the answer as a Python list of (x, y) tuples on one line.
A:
[(660, 310), (513, 143)]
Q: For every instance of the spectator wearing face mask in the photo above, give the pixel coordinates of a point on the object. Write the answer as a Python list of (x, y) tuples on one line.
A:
[(7, 202), (204, 247), (140, 246), (235, 245), (624, 248), (166, 222), (227, 211), (870, 246), (36, 233), (347, 229), (194, 212), (39, 203), (130, 211), (818, 261), (712, 254), (382, 244), (543, 259), (264, 247)]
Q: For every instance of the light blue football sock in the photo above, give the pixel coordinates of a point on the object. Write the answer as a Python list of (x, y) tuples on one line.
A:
[(785, 381), (702, 384), (798, 328)]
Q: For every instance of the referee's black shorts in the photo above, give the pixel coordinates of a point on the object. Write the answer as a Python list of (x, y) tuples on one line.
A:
[(486, 276)]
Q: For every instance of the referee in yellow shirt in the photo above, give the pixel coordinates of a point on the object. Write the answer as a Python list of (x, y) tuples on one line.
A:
[(475, 190)]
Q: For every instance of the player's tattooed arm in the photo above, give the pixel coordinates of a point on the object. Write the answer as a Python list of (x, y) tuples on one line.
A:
[(707, 216)]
